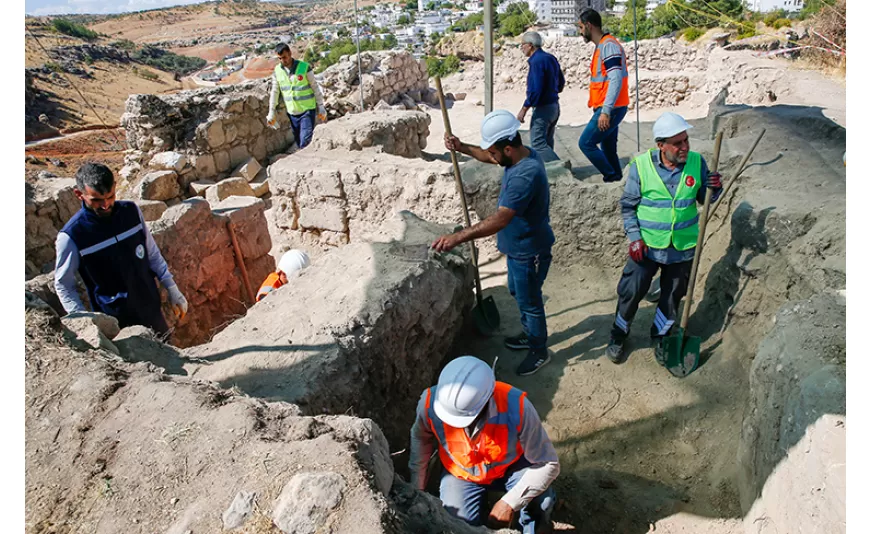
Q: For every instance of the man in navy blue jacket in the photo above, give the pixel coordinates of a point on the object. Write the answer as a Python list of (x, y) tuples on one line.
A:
[(108, 243), (543, 85)]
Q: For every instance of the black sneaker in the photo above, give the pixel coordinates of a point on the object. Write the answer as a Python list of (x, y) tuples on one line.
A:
[(535, 359), (520, 342), (615, 350), (660, 351)]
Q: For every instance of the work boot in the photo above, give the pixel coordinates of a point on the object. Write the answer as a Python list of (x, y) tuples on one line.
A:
[(615, 350), (520, 342), (659, 348), (535, 359)]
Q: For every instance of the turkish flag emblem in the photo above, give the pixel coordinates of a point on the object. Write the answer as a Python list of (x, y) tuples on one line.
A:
[(299, 78), (690, 181)]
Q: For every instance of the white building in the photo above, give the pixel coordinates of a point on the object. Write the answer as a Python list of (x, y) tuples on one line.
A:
[(764, 6), (560, 30), (542, 8), (475, 6), (651, 5), (568, 11)]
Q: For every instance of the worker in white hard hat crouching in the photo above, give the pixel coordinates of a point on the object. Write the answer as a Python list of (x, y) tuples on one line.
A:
[(489, 438), (522, 225), (660, 214), (291, 262)]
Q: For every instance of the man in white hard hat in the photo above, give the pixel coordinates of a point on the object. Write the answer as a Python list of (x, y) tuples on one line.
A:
[(660, 214), (522, 225), (291, 261), (489, 437)]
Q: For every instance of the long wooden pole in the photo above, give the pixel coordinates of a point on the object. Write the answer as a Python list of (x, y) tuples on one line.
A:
[(240, 261), (461, 190), (702, 227)]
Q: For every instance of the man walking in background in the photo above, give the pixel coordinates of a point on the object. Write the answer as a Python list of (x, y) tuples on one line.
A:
[(608, 97), (108, 243), (295, 82), (544, 83)]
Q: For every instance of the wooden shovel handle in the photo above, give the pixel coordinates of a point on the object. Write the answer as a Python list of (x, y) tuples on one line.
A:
[(459, 189), (702, 226)]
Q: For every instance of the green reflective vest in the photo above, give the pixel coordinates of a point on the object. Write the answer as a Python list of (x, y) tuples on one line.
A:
[(666, 220), (298, 94)]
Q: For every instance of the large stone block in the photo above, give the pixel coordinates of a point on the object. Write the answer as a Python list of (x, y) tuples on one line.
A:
[(214, 133), (199, 187), (160, 185), (324, 216), (307, 501), (168, 161), (248, 170), (238, 155), (151, 209), (227, 188), (222, 160), (249, 222), (204, 165)]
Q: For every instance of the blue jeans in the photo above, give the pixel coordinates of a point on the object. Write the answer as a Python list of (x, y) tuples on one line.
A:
[(525, 279), (465, 499), (543, 129), (303, 127), (605, 158)]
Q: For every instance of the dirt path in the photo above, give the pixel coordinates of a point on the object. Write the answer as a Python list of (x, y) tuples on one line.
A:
[(638, 447)]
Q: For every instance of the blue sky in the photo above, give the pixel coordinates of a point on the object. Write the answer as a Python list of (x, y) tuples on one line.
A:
[(58, 7)]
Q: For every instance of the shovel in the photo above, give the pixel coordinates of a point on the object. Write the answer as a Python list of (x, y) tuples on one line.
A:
[(682, 352), (485, 314)]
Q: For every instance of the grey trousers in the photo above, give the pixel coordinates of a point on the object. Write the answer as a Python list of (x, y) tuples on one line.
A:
[(543, 130), (633, 286)]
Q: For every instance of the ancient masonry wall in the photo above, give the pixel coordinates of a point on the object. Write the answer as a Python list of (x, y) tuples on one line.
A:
[(196, 244), (48, 205)]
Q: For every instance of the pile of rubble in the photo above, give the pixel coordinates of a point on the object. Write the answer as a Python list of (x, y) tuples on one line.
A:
[(391, 76)]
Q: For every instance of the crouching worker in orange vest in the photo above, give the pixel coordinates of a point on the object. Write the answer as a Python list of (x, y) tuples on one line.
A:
[(290, 262), (489, 437)]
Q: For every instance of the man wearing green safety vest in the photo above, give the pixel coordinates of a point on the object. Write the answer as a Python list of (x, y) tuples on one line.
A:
[(660, 213), (295, 83)]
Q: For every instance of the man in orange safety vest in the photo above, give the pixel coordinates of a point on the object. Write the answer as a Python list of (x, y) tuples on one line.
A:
[(489, 437), (608, 97)]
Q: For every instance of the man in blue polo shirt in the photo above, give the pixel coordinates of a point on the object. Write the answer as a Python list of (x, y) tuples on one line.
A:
[(522, 225), (108, 243), (543, 85)]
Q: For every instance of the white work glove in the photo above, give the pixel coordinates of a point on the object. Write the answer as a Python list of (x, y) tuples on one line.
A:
[(321, 114), (179, 303), (270, 118)]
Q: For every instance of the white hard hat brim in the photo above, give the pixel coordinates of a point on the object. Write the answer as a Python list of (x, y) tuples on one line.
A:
[(456, 421)]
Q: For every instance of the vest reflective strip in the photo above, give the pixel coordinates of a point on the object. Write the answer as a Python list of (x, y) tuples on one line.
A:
[(679, 203), (514, 399), (111, 241), (652, 225), (303, 97)]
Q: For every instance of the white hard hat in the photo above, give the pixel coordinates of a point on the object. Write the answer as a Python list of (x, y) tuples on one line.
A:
[(498, 125), (669, 125), (292, 261), (464, 389)]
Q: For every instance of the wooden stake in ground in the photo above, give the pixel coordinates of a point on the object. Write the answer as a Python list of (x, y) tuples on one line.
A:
[(240, 261)]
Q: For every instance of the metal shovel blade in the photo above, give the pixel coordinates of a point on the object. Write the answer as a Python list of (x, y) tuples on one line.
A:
[(682, 353), (486, 317), (655, 291)]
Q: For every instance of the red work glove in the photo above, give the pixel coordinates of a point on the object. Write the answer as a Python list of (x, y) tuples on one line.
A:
[(637, 250), (714, 180)]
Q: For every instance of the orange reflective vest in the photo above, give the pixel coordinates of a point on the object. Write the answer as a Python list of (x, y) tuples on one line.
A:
[(271, 283), (497, 445), (598, 83)]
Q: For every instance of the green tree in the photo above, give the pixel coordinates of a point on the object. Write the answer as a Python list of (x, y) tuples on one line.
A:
[(404, 20), (430, 6), (68, 27), (412, 5)]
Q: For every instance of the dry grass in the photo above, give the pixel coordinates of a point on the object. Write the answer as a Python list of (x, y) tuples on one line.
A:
[(830, 22)]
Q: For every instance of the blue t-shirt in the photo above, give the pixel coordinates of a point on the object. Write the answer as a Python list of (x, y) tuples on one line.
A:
[(525, 189)]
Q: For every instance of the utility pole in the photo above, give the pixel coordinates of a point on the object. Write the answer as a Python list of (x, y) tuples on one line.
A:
[(487, 56), (362, 106), (636, 78)]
